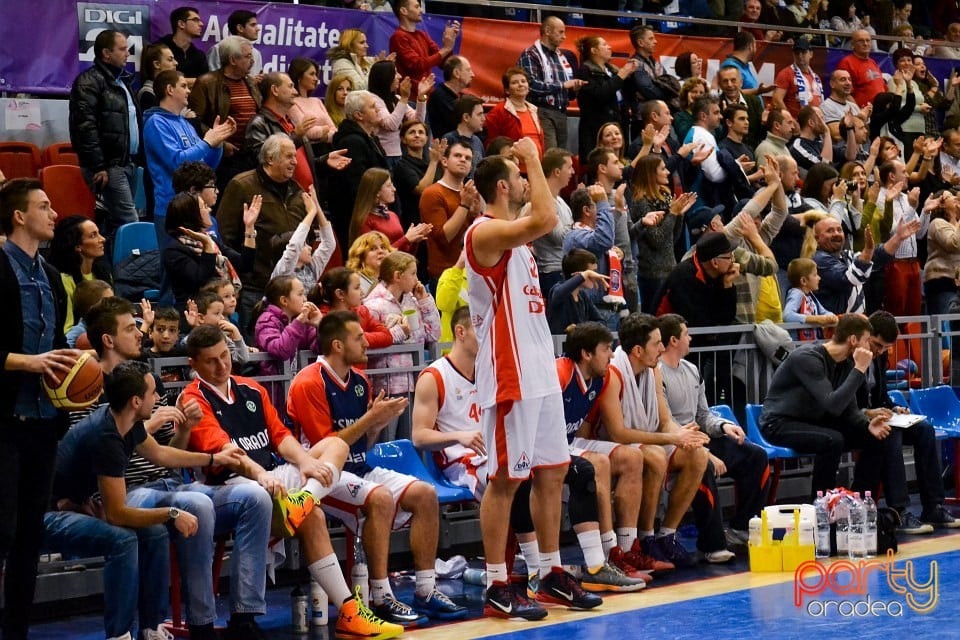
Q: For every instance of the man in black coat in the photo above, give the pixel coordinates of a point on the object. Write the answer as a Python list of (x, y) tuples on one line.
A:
[(105, 129), (357, 135), (31, 344)]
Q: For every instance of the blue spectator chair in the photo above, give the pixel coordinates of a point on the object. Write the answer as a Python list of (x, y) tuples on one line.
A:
[(403, 457), (775, 454), (942, 408), (134, 236)]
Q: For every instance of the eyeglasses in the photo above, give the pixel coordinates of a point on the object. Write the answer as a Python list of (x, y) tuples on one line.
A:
[(726, 257), (194, 19), (210, 186)]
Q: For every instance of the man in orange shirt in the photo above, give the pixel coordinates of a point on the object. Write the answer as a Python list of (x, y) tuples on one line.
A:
[(449, 205)]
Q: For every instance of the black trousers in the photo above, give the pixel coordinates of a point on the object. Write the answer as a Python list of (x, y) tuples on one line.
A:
[(827, 444), (884, 465), (748, 467), (28, 452)]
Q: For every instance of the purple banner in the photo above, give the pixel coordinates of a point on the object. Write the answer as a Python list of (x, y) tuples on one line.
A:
[(46, 60)]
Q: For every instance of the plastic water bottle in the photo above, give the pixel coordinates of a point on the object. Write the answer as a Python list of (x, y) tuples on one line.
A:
[(870, 524), (841, 517), (475, 576), (298, 610), (856, 542), (359, 575), (755, 525), (319, 606), (823, 526)]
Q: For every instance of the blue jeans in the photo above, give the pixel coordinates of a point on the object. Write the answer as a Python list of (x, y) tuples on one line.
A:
[(136, 571), (244, 508), (118, 196)]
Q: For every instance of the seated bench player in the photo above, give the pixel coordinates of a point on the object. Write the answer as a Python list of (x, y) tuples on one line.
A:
[(238, 410), (331, 397)]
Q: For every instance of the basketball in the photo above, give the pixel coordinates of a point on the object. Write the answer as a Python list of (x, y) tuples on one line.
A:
[(77, 389), (83, 342)]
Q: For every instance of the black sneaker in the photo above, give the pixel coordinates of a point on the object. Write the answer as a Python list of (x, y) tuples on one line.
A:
[(940, 517), (502, 601), (243, 630), (911, 525), (559, 587), (392, 610), (673, 551)]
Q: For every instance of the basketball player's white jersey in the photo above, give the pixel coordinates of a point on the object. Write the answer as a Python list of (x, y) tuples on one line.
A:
[(515, 359), (458, 409)]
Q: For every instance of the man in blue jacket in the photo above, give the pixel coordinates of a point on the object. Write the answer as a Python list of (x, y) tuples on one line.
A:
[(170, 140)]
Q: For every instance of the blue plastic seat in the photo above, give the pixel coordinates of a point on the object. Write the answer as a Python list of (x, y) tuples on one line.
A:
[(753, 433), (403, 457), (135, 236), (941, 407), (898, 398)]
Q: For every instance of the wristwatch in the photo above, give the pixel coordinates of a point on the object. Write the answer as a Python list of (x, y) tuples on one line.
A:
[(252, 234), (173, 513)]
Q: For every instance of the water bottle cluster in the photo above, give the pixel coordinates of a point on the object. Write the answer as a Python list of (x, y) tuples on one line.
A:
[(854, 521)]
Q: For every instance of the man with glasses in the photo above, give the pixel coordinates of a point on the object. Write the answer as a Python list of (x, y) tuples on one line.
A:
[(702, 290), (186, 26), (170, 140), (887, 462)]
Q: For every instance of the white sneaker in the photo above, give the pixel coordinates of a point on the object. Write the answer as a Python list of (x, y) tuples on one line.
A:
[(160, 633), (720, 556), (125, 636)]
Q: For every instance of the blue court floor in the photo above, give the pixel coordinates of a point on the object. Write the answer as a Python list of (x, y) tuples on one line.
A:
[(921, 598)]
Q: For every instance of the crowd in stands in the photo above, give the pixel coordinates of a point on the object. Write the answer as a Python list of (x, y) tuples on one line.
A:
[(288, 220)]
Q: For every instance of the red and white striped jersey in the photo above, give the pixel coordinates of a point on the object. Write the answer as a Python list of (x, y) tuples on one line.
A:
[(515, 358)]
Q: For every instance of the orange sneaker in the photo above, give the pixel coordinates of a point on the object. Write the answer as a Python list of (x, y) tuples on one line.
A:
[(290, 511), (356, 620)]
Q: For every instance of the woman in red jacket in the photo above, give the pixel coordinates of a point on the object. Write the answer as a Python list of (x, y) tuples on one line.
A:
[(371, 212), (515, 118)]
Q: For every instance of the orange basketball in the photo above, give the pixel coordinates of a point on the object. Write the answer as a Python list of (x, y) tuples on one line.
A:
[(77, 389)]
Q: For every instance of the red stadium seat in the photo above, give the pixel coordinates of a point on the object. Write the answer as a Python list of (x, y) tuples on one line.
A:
[(60, 153), (19, 159), (68, 191)]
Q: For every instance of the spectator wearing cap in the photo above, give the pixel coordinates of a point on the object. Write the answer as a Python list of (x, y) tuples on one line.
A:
[(797, 85), (701, 288)]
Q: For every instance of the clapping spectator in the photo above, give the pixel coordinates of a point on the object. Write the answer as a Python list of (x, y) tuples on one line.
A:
[(194, 256), (601, 98), (392, 95), (656, 222), (416, 170), (305, 75), (208, 308), (902, 83), (299, 258), (371, 213)]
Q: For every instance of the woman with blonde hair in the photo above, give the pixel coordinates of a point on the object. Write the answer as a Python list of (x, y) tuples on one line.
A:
[(371, 213), (365, 255), (336, 96), (350, 58)]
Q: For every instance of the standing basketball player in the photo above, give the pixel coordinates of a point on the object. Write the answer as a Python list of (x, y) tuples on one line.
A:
[(521, 406)]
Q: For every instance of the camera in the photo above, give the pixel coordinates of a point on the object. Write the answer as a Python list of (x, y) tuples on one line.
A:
[(852, 185)]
